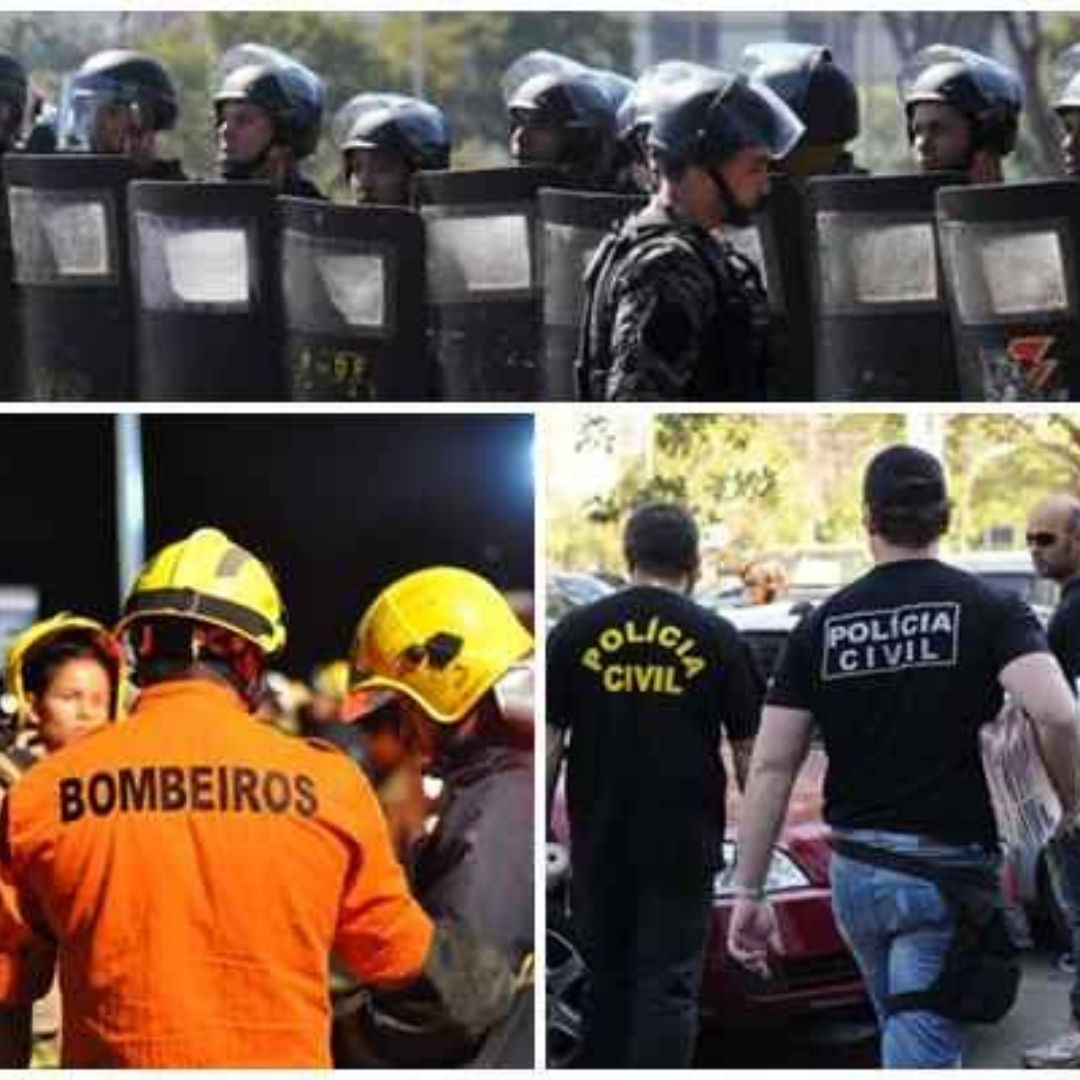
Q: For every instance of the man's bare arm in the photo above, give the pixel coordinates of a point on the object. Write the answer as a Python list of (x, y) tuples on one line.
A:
[(556, 744), (1036, 683), (779, 750)]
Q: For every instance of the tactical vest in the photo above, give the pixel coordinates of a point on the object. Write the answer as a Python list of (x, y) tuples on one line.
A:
[(734, 350)]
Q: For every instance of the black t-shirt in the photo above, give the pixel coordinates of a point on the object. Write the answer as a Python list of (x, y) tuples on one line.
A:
[(900, 670), (643, 681), (1064, 633)]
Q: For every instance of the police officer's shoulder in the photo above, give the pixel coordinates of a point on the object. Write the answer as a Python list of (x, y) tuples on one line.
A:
[(665, 258)]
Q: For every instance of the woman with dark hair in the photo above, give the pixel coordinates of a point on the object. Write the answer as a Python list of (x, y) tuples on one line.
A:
[(62, 680)]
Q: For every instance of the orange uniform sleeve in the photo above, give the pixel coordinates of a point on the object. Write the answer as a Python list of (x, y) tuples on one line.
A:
[(383, 935), (27, 955)]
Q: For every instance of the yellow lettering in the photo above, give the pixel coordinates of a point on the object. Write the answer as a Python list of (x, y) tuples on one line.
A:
[(693, 665), (591, 659), (669, 636), (614, 680), (670, 685), (611, 639)]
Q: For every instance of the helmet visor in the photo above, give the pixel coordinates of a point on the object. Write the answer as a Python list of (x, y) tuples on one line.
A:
[(751, 114)]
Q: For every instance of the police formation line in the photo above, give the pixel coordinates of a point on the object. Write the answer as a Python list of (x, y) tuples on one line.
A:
[(553, 279)]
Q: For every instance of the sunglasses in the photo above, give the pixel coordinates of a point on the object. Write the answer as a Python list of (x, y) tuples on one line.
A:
[(1041, 539)]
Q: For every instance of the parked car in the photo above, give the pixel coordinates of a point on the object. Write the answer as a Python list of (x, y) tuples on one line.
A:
[(567, 590)]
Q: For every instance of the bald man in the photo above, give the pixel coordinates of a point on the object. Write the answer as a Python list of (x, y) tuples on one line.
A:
[(1053, 538)]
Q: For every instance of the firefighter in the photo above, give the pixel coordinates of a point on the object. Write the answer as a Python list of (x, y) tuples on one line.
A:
[(63, 679), (192, 868), (441, 640)]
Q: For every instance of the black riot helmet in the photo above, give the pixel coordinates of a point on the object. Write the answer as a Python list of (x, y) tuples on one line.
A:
[(807, 80), (545, 88), (116, 79), (122, 76), (989, 94), (638, 109), (415, 129), (14, 91), (704, 121), (291, 94), (1066, 78)]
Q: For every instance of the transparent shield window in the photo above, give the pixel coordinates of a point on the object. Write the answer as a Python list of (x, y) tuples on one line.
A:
[(1001, 270), (872, 262), (330, 282), (475, 258), (567, 252), (191, 264), (63, 236)]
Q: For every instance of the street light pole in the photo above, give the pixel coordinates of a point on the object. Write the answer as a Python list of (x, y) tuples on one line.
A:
[(130, 500)]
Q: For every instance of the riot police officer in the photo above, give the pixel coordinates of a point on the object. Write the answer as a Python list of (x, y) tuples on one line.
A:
[(117, 103), (1067, 106), (385, 139), (673, 311), (268, 112), (562, 115), (14, 90), (823, 97), (962, 110)]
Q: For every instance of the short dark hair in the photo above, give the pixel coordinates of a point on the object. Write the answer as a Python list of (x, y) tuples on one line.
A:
[(661, 539), (905, 496)]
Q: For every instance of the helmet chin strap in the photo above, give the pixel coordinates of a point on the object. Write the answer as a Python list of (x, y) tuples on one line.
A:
[(734, 213)]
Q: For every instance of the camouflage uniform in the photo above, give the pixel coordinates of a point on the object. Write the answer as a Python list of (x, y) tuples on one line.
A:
[(672, 314)]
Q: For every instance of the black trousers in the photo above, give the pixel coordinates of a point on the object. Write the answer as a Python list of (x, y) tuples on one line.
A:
[(644, 940)]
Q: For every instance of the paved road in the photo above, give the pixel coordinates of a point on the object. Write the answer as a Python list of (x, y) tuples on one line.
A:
[(1039, 1014)]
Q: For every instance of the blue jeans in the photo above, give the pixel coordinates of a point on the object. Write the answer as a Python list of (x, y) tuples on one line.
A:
[(1063, 859), (899, 928)]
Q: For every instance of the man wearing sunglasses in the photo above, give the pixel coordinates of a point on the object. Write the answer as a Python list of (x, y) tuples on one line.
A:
[(1053, 538)]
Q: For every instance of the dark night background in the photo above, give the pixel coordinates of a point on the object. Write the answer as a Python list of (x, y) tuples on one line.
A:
[(339, 506)]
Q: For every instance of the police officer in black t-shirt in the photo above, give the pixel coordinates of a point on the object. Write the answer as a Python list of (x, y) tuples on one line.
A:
[(900, 670), (1053, 538), (642, 683)]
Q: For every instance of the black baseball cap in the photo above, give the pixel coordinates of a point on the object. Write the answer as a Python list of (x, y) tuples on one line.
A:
[(903, 476)]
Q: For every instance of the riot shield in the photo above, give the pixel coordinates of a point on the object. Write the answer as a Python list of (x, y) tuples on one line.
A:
[(207, 291), (572, 224), (777, 242), (1009, 255), (483, 280), (880, 320), (353, 288), (72, 295)]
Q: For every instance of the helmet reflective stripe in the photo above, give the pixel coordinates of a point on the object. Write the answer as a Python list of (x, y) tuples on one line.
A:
[(208, 578)]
